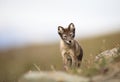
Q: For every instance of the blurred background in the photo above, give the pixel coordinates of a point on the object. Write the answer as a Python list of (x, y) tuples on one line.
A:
[(28, 32)]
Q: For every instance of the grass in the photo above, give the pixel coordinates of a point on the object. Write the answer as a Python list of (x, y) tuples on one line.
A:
[(15, 62)]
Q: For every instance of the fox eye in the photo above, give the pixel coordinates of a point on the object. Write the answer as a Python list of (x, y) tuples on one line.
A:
[(71, 34), (64, 36)]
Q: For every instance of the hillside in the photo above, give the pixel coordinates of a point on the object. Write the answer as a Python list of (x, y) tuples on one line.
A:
[(17, 61)]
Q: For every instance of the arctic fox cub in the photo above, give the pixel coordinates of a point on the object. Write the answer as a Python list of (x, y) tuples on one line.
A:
[(71, 51)]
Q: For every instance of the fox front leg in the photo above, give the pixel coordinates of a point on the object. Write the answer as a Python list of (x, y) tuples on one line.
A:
[(65, 62), (73, 62)]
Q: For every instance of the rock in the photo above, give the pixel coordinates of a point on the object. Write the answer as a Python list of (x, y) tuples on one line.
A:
[(108, 54), (54, 76)]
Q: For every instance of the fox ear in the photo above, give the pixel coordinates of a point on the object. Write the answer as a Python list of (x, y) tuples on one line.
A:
[(60, 29), (71, 27)]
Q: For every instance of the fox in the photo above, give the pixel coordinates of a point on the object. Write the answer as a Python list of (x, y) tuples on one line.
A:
[(71, 51)]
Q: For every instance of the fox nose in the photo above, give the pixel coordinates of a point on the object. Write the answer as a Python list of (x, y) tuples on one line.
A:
[(70, 41)]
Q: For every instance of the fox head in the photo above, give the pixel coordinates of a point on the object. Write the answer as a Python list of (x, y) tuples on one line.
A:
[(67, 34)]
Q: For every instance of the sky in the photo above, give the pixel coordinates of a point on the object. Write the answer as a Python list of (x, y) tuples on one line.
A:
[(27, 21)]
